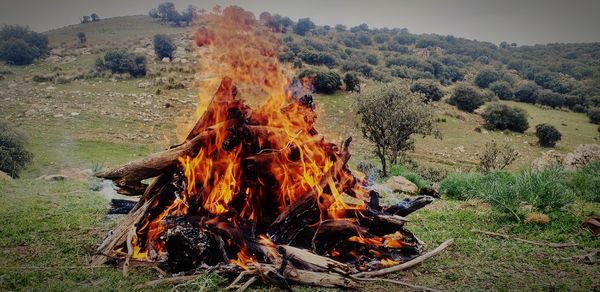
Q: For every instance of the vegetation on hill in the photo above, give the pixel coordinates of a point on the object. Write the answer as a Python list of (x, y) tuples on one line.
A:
[(20, 46)]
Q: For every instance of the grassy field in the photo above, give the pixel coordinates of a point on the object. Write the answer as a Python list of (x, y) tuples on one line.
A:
[(48, 230)]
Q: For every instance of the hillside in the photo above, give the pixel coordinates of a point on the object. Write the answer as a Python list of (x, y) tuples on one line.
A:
[(79, 120)]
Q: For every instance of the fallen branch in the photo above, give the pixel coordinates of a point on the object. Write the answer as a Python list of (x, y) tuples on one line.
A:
[(588, 258), (416, 287), (171, 280), (408, 264), (506, 236)]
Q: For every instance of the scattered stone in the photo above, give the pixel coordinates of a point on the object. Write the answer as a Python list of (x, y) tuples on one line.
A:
[(584, 154), (58, 116), (50, 88), (74, 114), (460, 149), (12, 85), (76, 173), (143, 84), (166, 60)]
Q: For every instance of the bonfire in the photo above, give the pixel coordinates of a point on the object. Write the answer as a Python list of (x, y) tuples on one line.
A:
[(256, 193)]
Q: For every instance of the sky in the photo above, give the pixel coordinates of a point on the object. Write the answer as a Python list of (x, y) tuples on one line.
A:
[(521, 21)]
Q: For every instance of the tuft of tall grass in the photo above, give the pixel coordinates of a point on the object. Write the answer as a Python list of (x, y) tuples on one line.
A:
[(544, 190), (586, 182)]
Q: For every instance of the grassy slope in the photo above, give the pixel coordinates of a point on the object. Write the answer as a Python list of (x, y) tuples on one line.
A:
[(48, 230)]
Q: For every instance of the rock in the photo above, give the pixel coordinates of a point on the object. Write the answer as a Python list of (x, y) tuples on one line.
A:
[(58, 116), (593, 224), (30, 112), (400, 184), (76, 173), (5, 177), (584, 154), (74, 114), (166, 60), (460, 149), (54, 59), (52, 177), (12, 85), (50, 88), (183, 61), (143, 84), (547, 159)]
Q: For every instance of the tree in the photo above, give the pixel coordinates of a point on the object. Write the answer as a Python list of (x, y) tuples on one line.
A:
[(327, 82), (352, 82), (466, 98), (94, 17), (430, 89), (188, 13), (303, 26), (81, 37), (163, 46), (526, 93), (13, 155), (86, 19), (594, 115), (502, 90), (485, 77), (504, 117), (340, 27), (547, 135), (390, 116)]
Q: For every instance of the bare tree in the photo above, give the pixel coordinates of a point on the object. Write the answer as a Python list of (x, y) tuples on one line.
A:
[(390, 116), (496, 157)]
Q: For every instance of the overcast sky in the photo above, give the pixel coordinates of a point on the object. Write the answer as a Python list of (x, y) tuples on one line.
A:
[(521, 21)]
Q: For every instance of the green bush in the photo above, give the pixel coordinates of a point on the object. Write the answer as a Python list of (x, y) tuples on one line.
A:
[(20, 46), (121, 61), (594, 115), (551, 99), (327, 82), (502, 90), (547, 135), (545, 189), (486, 77), (466, 98), (352, 82), (586, 182), (503, 117), (526, 93), (163, 46), (430, 89), (13, 155)]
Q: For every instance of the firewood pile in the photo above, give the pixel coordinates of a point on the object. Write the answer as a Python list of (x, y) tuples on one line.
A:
[(258, 195)]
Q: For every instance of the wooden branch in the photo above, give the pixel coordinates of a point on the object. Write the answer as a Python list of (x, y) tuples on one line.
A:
[(408, 264), (156, 163), (118, 236), (307, 260), (171, 280), (247, 284), (415, 287), (538, 243)]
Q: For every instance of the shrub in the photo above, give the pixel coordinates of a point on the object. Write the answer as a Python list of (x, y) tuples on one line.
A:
[(352, 82), (494, 157), (503, 117), (303, 26), (594, 115), (372, 59), (579, 108), (466, 98), (502, 90), (585, 181), (13, 155), (17, 52), (121, 61), (81, 37), (547, 135), (430, 89), (163, 46), (327, 82), (526, 93), (20, 46), (545, 189), (551, 99), (485, 77)]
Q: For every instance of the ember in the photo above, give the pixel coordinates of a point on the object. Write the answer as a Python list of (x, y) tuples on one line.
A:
[(255, 189)]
